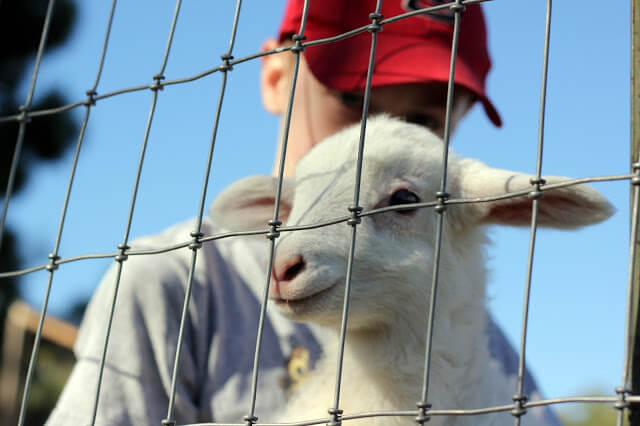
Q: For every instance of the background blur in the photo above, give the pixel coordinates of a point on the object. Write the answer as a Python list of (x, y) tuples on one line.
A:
[(575, 340)]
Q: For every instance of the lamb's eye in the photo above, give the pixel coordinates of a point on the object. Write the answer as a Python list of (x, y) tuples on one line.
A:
[(404, 196)]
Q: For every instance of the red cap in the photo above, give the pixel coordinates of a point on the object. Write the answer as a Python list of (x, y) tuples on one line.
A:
[(411, 50)]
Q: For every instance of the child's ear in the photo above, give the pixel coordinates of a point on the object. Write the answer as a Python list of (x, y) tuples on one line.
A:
[(565, 208), (249, 203), (275, 77)]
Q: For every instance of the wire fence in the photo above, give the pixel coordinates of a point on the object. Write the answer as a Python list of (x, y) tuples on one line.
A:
[(274, 228)]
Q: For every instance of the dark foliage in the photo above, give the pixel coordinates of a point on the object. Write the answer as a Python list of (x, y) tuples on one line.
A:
[(45, 138), (20, 29)]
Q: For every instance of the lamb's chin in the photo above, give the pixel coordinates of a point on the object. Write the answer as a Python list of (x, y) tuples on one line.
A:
[(323, 307)]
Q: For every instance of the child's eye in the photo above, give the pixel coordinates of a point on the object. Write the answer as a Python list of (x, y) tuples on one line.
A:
[(351, 100), (425, 120)]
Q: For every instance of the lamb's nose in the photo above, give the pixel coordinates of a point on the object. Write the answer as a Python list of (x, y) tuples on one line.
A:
[(285, 271), (288, 269)]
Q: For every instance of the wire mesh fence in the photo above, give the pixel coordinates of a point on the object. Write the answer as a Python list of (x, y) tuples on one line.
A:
[(224, 70)]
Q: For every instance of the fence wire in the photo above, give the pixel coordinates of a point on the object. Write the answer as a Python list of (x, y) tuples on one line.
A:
[(273, 229)]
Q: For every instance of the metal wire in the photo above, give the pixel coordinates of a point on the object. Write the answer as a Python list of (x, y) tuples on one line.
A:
[(274, 229), (632, 351), (446, 412), (51, 267), (196, 244), (624, 390), (520, 398), (335, 412), (423, 405), (232, 63), (121, 258), (322, 224), (273, 233), (24, 119)]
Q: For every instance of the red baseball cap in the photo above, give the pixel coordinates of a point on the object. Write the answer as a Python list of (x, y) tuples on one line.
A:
[(410, 50)]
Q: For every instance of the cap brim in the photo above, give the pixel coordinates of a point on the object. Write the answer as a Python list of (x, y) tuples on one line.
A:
[(399, 59)]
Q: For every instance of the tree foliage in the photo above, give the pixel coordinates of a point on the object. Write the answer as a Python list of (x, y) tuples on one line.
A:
[(591, 414), (46, 138)]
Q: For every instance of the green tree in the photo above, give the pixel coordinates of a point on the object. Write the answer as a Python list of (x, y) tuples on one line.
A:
[(45, 139), (591, 414)]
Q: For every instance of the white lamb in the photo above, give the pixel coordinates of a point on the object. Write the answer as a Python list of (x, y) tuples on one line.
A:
[(392, 273)]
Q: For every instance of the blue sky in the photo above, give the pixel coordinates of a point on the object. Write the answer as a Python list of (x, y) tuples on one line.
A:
[(579, 280)]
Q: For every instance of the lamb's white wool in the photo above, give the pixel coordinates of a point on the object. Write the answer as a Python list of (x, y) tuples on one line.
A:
[(384, 355)]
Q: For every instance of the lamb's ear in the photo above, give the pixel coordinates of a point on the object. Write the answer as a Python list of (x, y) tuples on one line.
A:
[(248, 203), (566, 208)]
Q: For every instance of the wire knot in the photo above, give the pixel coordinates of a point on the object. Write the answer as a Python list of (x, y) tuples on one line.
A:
[(157, 82), (636, 170), (537, 181), (518, 409), (336, 417), (622, 402), (123, 255), (298, 38), (91, 97), (457, 8), (537, 193), (250, 419), (423, 416), (375, 22), (195, 242), (53, 262), (442, 200), (226, 59), (167, 422), (274, 233), (355, 215), (24, 115)]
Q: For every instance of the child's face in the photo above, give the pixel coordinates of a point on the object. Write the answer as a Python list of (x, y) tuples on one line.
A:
[(319, 112), (419, 103)]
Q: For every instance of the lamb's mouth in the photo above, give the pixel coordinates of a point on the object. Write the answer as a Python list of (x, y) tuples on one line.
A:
[(304, 303)]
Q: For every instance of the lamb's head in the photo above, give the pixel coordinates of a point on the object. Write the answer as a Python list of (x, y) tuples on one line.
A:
[(394, 250)]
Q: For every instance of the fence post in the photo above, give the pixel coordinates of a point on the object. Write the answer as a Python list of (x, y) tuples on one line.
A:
[(634, 414)]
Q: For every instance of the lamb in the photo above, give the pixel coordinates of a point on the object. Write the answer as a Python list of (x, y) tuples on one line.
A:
[(385, 342)]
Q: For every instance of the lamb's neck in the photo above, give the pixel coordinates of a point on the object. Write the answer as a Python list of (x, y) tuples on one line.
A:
[(384, 347), (403, 347), (392, 358), (378, 361)]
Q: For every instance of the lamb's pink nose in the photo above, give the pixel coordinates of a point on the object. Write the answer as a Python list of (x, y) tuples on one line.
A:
[(283, 273)]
